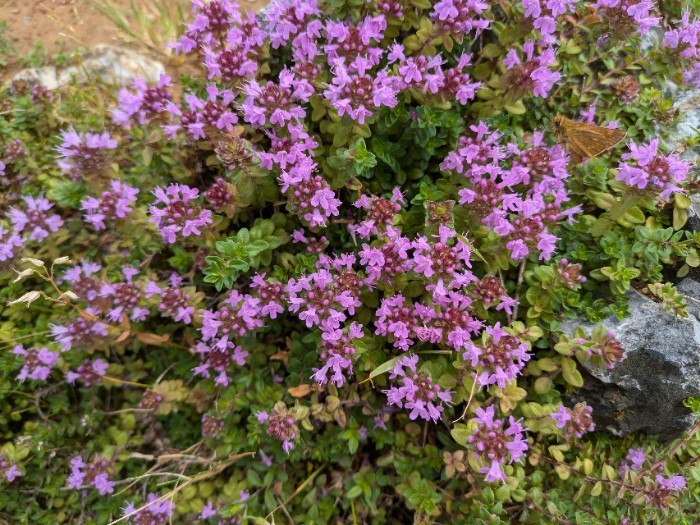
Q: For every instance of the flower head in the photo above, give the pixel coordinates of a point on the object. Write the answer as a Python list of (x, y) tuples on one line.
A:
[(35, 218), (495, 443), (179, 216), (84, 155), (94, 474), (574, 421), (652, 173), (111, 205), (415, 390)]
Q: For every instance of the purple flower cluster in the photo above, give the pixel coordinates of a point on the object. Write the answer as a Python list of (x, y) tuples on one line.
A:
[(34, 219), (497, 444), (8, 472), (498, 358), (530, 72), (574, 421), (82, 281), (291, 21), (624, 17), (38, 362), (156, 511), (604, 350), (219, 195), (142, 103), (84, 155), (663, 493), (336, 353), (212, 426), (174, 302), (651, 172), (238, 315), (399, 320), (489, 291), (281, 424), (634, 460), (446, 260), (320, 300), (543, 15), (228, 43), (112, 205), (569, 274), (80, 332), (89, 373), (359, 95), (9, 243), (459, 17), (219, 358), (179, 216), (270, 296), (380, 213), (684, 40), (519, 203), (125, 297), (203, 117), (14, 150), (414, 390), (94, 474), (277, 104), (309, 195), (384, 263), (287, 148)]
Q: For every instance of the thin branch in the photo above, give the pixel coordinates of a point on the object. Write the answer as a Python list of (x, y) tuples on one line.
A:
[(199, 477), (518, 285), (297, 491)]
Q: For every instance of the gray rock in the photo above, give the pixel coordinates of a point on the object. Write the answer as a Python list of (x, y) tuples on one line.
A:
[(645, 392), (44, 76), (687, 102), (693, 223), (110, 64)]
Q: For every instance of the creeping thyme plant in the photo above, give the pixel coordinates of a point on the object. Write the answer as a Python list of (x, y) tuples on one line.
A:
[(321, 278)]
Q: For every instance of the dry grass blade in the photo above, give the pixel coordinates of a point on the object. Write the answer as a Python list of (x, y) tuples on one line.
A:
[(151, 24)]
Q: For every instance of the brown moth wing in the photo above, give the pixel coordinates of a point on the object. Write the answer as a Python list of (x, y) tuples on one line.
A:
[(588, 141), (574, 159)]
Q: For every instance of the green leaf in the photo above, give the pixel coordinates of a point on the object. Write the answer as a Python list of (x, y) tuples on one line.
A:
[(516, 108), (384, 367), (571, 374), (354, 492)]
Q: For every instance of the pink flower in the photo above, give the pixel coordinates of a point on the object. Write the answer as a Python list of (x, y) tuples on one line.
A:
[(173, 300), (276, 104), (38, 362), (651, 172), (497, 444), (142, 103), (319, 301), (415, 391), (309, 195), (498, 358), (94, 473), (89, 373), (179, 216), (84, 154), (219, 357), (35, 219), (574, 421), (125, 297), (337, 351), (112, 205)]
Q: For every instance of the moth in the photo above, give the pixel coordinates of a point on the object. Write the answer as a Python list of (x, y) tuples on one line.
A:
[(585, 140)]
